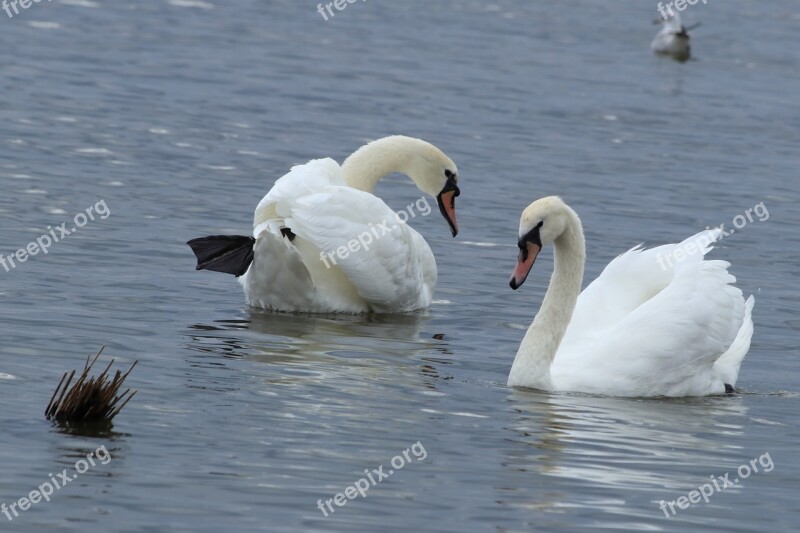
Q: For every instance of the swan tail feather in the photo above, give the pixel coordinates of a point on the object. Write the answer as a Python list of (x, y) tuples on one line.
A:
[(231, 254), (695, 248), (727, 366)]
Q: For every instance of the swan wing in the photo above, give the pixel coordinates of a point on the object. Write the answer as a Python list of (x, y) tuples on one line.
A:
[(389, 263), (727, 366), (300, 182), (357, 254), (632, 279), (285, 274), (663, 337), (278, 278)]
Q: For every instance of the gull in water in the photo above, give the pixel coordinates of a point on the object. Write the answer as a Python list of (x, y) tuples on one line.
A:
[(673, 39)]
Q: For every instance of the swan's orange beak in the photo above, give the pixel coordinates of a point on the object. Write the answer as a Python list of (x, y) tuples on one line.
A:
[(527, 256), (447, 204)]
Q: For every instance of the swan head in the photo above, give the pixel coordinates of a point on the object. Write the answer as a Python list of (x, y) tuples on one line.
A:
[(435, 174), (428, 167), (542, 222)]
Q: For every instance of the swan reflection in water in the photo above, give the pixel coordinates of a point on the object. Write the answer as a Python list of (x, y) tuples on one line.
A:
[(612, 445), (325, 345)]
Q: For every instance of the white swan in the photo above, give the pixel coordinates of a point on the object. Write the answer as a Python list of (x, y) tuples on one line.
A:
[(673, 39), (322, 242), (658, 322)]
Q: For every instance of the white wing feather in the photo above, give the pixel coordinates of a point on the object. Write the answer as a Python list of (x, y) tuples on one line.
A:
[(651, 325), (392, 271)]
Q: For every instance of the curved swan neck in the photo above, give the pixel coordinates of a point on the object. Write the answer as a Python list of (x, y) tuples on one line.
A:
[(367, 165), (531, 366)]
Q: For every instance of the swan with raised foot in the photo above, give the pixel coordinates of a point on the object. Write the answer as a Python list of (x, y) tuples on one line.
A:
[(657, 322), (323, 242)]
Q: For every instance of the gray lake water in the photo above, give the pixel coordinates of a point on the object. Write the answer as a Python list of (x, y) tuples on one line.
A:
[(179, 115)]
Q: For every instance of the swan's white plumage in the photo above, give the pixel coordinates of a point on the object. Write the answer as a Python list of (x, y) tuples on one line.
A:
[(632, 278), (728, 365), (649, 325), (396, 271)]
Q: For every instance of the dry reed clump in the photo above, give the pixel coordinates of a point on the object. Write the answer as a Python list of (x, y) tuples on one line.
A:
[(89, 399)]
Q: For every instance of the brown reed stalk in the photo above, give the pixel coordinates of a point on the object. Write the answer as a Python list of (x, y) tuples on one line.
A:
[(89, 399)]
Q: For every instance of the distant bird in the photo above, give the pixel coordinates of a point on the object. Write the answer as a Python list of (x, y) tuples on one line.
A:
[(323, 242), (673, 39), (658, 322)]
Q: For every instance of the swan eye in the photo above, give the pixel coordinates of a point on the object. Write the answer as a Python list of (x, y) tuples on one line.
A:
[(540, 224), (449, 174)]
